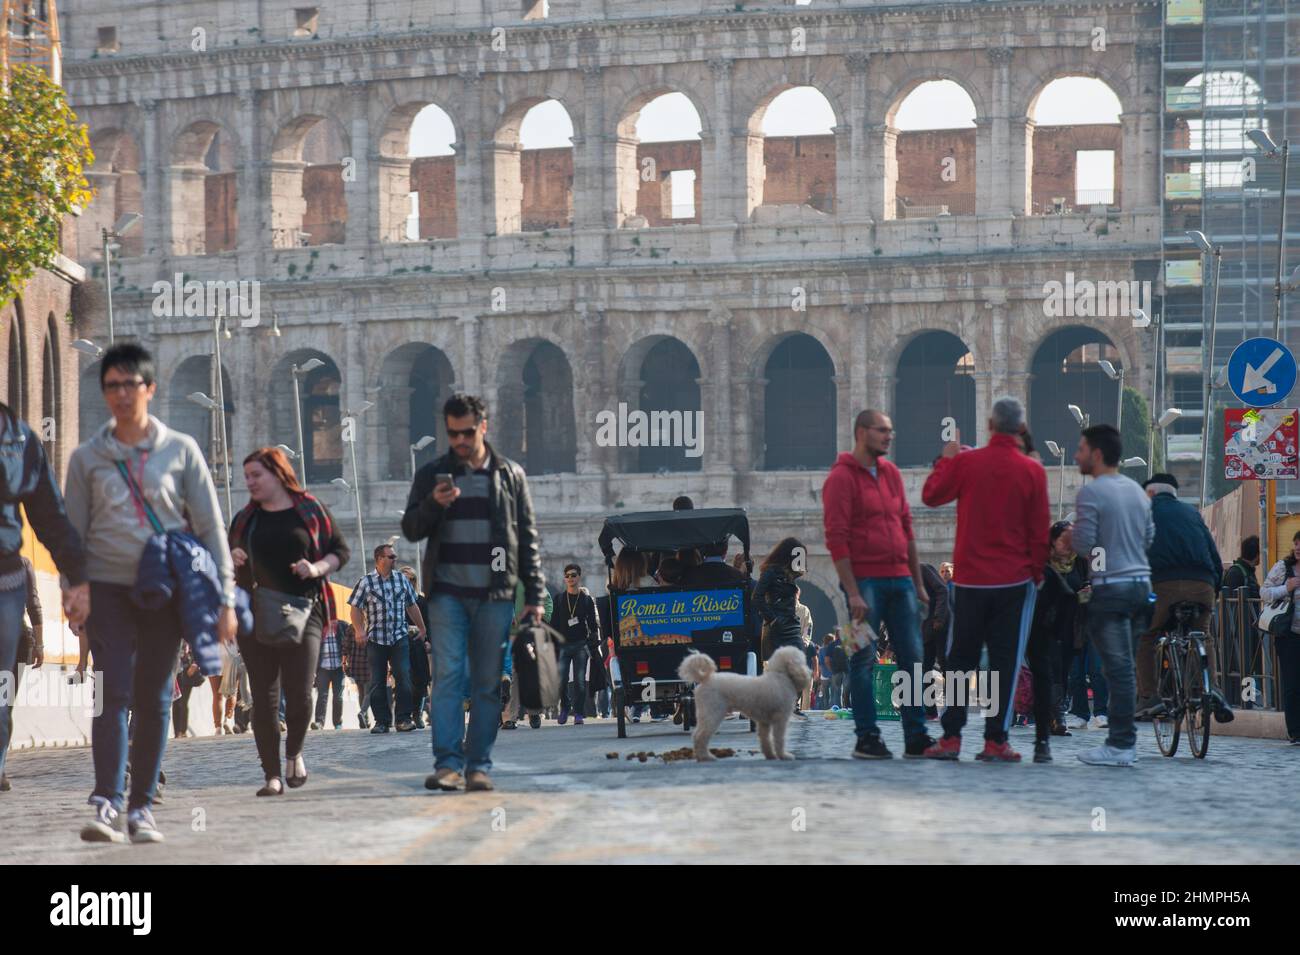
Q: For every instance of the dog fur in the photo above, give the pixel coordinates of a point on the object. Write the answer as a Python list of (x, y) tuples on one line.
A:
[(768, 700)]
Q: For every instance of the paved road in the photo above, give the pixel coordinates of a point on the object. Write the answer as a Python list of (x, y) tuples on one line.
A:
[(560, 799)]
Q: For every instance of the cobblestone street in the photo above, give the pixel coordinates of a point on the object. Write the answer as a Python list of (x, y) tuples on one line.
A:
[(560, 799)]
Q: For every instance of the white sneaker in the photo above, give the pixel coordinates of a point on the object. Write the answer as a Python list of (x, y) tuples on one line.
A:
[(1073, 722), (1109, 756), (103, 828), (1098, 723), (141, 827)]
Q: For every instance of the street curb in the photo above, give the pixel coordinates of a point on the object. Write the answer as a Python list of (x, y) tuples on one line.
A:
[(1257, 724)]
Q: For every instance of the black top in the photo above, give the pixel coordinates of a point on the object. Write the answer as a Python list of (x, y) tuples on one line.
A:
[(580, 607), (277, 540), (774, 598)]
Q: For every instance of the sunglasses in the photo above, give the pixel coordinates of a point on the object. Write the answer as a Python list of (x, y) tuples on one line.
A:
[(570, 575), (388, 557), (462, 432), (110, 387)]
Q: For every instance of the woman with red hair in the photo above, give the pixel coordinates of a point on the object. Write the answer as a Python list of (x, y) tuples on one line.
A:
[(284, 542)]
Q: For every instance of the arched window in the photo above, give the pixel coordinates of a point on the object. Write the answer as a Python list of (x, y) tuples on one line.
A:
[(799, 405), (658, 165), (1077, 146), (931, 171), (792, 150), (935, 382)]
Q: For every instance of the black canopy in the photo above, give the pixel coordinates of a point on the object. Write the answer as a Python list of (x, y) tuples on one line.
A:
[(672, 530)]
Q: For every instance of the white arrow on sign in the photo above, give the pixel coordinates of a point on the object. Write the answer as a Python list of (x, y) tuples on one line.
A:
[(1254, 379)]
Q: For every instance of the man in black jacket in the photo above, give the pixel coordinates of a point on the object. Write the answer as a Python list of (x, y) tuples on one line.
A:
[(713, 571), (1185, 565), (1243, 571), (482, 539), (574, 615), (27, 480)]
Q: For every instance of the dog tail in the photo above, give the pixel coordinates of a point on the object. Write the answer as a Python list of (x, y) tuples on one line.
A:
[(697, 668)]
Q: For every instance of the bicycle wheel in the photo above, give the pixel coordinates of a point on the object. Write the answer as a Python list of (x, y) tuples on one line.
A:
[(1197, 687), (1168, 725)]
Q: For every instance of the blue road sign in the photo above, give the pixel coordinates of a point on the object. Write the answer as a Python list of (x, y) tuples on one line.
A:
[(1261, 372)]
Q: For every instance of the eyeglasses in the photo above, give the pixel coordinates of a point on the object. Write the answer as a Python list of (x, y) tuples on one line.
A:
[(462, 432), (388, 557), (570, 575), (133, 384)]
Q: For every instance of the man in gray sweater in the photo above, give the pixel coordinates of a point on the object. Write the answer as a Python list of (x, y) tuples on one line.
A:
[(1113, 531), (135, 650)]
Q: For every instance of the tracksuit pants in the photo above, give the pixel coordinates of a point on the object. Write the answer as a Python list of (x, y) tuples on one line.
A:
[(1000, 618)]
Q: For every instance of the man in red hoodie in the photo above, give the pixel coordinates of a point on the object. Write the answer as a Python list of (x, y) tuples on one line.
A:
[(869, 536), (1003, 525)]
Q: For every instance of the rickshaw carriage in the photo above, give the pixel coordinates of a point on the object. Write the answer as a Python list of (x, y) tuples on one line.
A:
[(654, 628)]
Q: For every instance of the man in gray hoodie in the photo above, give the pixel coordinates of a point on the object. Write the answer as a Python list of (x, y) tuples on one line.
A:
[(135, 650)]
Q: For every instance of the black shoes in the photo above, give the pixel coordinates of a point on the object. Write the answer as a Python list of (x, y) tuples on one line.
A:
[(535, 720), (405, 726), (1042, 751), (379, 728), (916, 747), (871, 747)]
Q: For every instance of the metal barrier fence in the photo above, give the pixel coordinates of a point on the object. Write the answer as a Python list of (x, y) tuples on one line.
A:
[(1245, 661)]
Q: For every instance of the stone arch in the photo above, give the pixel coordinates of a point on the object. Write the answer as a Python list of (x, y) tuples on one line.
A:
[(194, 374), (647, 173), (934, 380), (16, 364), (535, 424), (821, 603), (415, 380), (1064, 371), (659, 372), (917, 189), (204, 191), (118, 181), (416, 189), (1062, 151), (779, 170), (308, 202), (52, 392), (799, 403), (320, 392), (532, 192)]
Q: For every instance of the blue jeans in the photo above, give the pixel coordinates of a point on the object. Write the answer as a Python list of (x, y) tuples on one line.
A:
[(574, 698), (134, 653), (12, 603), (469, 645), (893, 601), (1116, 616), (1085, 670), (398, 656)]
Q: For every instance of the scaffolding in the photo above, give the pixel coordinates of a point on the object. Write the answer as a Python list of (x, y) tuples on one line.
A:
[(29, 34), (1229, 66)]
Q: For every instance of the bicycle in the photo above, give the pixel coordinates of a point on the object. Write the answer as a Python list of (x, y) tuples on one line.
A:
[(1183, 683)]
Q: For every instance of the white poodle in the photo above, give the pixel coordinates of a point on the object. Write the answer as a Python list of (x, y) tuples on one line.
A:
[(768, 700)]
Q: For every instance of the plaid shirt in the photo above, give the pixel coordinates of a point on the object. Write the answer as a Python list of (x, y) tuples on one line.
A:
[(331, 658), (385, 603)]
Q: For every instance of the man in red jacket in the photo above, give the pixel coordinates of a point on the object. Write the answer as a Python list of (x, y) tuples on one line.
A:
[(1003, 524), (869, 535)]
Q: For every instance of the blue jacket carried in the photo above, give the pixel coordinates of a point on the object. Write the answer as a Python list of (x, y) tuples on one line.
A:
[(176, 566), (1183, 548)]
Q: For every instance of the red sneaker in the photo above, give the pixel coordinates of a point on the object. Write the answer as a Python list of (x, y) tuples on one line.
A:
[(998, 753), (948, 747)]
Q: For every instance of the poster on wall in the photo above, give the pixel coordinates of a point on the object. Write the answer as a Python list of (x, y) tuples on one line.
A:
[(1261, 443)]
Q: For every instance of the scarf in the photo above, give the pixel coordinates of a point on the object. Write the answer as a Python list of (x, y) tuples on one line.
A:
[(320, 529)]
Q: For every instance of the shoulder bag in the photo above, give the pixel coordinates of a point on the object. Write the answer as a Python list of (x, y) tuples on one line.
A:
[(279, 618)]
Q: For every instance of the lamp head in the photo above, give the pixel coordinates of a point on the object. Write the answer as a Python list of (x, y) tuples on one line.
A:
[(1077, 413), (341, 484), (423, 443), (311, 364), (1109, 369), (1263, 141), (289, 452), (1055, 449), (199, 398), (1201, 241), (1169, 417), (87, 346), (1141, 319), (126, 223)]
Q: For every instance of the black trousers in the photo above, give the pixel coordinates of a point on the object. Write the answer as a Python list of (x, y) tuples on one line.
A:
[(1049, 658), (998, 617), (269, 668), (181, 711), (1288, 661)]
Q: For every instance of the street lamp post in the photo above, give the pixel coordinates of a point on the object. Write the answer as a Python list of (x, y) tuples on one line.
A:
[(347, 488), (108, 236), (1115, 374), (221, 404), (420, 445), (1264, 142), (1207, 248), (204, 401), (1059, 453), (297, 371), (351, 438)]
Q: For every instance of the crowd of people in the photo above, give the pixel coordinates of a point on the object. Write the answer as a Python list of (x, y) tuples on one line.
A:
[(163, 594)]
